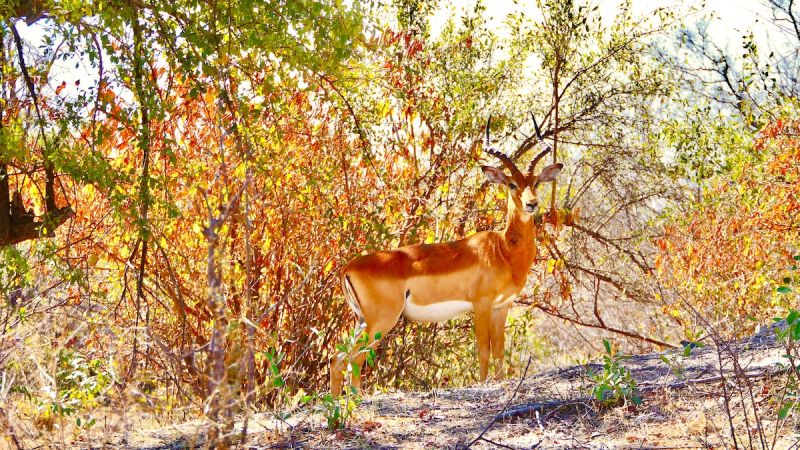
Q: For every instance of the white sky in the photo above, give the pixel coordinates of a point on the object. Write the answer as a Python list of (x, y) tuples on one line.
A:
[(734, 19)]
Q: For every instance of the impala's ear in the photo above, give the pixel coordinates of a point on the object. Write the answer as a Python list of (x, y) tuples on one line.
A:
[(494, 175), (550, 172)]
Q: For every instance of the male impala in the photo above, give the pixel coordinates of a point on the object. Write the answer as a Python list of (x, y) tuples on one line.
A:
[(482, 273)]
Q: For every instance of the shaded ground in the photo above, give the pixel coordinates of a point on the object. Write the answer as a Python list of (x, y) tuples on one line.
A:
[(684, 407)]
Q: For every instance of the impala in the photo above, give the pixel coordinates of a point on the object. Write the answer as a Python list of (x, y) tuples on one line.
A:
[(482, 274)]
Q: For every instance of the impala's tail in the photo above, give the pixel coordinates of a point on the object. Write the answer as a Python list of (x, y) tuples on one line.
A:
[(352, 298)]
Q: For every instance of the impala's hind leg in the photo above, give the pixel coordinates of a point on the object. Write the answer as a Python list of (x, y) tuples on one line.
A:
[(498, 338), (337, 369), (380, 314), (358, 355), (483, 328)]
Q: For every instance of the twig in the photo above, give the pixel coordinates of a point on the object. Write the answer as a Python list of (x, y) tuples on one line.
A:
[(500, 414), (619, 331), (497, 443), (287, 295), (11, 432)]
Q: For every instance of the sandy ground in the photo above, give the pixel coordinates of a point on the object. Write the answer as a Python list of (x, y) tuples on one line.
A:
[(684, 407)]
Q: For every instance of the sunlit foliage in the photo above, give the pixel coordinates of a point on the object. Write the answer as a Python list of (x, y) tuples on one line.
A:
[(193, 174), (728, 255)]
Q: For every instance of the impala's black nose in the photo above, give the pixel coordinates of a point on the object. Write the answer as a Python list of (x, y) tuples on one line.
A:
[(530, 208)]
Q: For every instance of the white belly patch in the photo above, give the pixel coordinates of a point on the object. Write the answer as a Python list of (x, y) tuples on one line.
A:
[(436, 312)]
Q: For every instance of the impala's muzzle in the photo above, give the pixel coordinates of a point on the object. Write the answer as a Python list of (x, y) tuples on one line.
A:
[(530, 208)]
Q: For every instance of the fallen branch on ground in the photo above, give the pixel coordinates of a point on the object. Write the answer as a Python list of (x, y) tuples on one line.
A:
[(546, 408)]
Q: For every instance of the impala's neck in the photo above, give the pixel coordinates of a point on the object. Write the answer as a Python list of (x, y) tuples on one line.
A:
[(519, 229), (518, 236)]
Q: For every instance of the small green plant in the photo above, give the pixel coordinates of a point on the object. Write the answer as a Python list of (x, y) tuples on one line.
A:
[(674, 359), (674, 362), (80, 384), (614, 385), (275, 358), (338, 410), (694, 339), (275, 385), (790, 337)]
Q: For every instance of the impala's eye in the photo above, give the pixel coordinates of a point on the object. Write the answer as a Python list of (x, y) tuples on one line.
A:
[(512, 186)]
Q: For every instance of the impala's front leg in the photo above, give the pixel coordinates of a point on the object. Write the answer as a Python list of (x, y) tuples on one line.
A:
[(498, 338), (483, 328)]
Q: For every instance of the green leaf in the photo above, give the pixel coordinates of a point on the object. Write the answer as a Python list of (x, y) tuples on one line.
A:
[(607, 345), (784, 290), (600, 392), (784, 411)]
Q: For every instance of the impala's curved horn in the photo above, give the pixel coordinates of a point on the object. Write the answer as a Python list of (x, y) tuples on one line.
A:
[(504, 159), (486, 139), (536, 126), (535, 161)]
